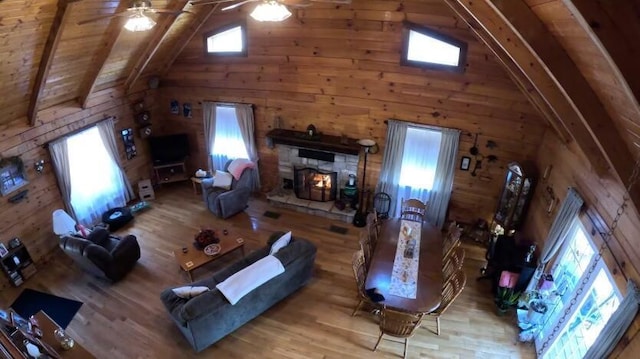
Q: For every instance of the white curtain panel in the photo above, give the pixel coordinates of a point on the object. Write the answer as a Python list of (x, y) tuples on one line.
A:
[(108, 135), (392, 162), (244, 113), (568, 211), (209, 114), (443, 181), (60, 159), (617, 325)]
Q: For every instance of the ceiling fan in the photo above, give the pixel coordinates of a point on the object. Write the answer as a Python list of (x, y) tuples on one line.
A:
[(269, 10), (137, 15)]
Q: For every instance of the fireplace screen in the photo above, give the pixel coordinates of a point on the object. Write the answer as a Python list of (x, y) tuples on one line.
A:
[(314, 184)]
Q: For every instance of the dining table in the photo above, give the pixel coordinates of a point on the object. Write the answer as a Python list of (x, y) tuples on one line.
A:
[(428, 294)]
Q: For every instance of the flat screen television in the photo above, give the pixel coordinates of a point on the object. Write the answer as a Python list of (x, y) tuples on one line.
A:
[(168, 149)]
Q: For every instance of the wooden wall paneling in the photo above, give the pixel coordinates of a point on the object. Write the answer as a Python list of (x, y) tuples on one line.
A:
[(159, 32), (617, 45), (109, 39), (586, 103), (571, 168), (47, 56)]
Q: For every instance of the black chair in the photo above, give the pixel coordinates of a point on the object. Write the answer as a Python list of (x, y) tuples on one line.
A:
[(382, 204)]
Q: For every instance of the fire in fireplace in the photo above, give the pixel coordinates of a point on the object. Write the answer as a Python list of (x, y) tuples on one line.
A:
[(314, 184)]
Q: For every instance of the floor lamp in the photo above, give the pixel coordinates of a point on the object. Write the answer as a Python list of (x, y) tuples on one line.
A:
[(360, 218)]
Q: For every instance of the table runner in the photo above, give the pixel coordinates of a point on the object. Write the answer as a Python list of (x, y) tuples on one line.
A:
[(404, 277)]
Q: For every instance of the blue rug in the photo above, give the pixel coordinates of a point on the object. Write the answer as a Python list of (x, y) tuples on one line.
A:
[(61, 310)]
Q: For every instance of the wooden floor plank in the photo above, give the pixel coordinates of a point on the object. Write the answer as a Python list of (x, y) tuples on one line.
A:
[(127, 320)]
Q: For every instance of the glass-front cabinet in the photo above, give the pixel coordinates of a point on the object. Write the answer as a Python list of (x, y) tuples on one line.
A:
[(515, 196)]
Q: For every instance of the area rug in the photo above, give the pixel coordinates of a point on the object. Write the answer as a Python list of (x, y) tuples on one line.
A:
[(61, 310), (271, 214)]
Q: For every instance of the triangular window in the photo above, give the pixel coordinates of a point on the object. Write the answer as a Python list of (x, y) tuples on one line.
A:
[(424, 47), (230, 40)]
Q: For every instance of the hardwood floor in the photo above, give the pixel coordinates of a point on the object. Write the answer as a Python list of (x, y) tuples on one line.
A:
[(127, 319)]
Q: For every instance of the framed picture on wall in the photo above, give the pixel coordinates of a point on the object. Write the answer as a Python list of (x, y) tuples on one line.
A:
[(464, 163), (3, 250)]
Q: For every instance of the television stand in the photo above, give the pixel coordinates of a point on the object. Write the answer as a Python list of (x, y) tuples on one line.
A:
[(171, 172)]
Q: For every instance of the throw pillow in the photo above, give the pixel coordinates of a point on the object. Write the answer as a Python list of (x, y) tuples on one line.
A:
[(280, 243), (189, 291), (222, 180), (237, 166)]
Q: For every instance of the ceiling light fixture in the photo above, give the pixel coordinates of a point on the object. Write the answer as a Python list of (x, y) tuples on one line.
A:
[(139, 22), (270, 11)]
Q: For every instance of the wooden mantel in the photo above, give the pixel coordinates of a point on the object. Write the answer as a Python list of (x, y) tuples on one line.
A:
[(319, 142)]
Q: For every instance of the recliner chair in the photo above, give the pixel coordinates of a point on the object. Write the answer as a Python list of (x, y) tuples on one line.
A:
[(102, 254), (225, 203)]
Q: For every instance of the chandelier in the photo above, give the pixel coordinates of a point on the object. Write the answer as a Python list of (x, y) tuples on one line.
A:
[(270, 10)]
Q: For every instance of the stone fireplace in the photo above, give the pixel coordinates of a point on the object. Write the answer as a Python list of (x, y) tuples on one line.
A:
[(314, 184), (312, 173)]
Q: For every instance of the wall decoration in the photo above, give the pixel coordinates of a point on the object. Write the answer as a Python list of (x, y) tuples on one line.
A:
[(145, 132), (464, 163), (12, 175), (186, 110), (129, 145), (175, 107)]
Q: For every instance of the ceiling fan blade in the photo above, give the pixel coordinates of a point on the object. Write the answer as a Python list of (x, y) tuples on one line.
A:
[(164, 11), (103, 17), (237, 4), (207, 2), (344, 2)]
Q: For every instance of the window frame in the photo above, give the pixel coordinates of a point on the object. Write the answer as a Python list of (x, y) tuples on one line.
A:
[(243, 28), (409, 26), (593, 225)]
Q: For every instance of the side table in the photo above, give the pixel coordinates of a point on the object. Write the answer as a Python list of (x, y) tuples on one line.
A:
[(196, 181)]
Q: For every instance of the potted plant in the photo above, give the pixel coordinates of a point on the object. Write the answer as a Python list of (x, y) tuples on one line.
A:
[(506, 299)]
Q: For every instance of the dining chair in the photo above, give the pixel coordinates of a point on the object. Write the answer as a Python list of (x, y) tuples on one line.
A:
[(399, 324), (360, 274), (451, 241), (374, 220), (365, 246), (453, 263), (372, 230), (412, 210), (451, 290)]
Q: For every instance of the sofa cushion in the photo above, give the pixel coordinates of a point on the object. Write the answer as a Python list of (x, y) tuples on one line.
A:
[(189, 291), (280, 243), (247, 279), (100, 237), (222, 180)]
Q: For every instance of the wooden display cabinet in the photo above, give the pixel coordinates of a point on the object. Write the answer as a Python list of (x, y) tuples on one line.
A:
[(515, 196), (17, 265)]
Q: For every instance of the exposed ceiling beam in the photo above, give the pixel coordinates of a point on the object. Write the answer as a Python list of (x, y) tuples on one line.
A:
[(187, 35), (47, 58), (154, 43), (538, 54), (519, 78), (109, 39), (619, 46)]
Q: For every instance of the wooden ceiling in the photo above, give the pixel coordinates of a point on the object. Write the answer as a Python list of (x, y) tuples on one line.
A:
[(573, 59)]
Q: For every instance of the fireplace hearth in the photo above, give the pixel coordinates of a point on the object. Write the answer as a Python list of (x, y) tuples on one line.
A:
[(314, 184)]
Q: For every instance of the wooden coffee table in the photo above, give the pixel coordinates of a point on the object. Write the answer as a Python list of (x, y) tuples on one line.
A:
[(195, 258)]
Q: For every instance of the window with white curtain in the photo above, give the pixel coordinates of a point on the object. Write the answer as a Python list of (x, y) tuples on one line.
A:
[(96, 180), (228, 143), (594, 305), (419, 162)]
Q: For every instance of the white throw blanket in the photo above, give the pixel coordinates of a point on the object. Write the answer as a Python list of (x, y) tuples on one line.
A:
[(249, 278)]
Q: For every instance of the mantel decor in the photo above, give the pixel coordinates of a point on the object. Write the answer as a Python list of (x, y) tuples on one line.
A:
[(12, 175)]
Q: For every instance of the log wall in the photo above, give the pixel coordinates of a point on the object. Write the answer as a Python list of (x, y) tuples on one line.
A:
[(339, 70), (30, 219)]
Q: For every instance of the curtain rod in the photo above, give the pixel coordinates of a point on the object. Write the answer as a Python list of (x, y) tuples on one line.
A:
[(468, 133), (76, 131), (230, 104)]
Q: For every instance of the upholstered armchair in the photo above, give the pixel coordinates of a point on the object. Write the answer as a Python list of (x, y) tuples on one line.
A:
[(102, 254), (224, 203)]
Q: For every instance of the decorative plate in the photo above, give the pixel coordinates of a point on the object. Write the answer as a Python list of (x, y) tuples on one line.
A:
[(212, 249)]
